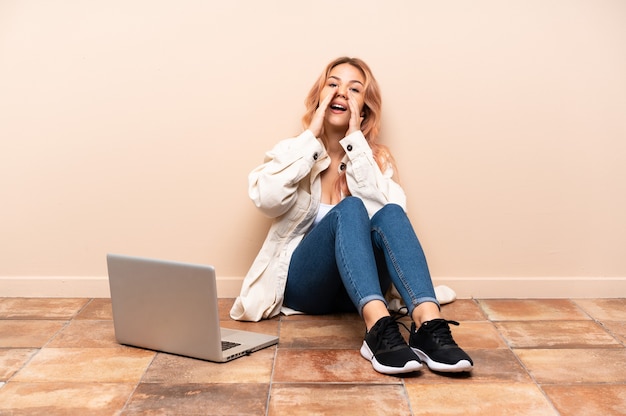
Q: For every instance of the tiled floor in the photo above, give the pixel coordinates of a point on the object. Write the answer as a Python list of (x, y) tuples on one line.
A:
[(532, 357)]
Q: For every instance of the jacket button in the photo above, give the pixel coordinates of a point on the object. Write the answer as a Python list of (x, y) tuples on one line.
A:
[(349, 148), (342, 166), (315, 156)]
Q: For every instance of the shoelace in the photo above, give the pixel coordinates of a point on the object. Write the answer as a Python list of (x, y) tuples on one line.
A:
[(390, 333), (400, 313), (441, 332), (437, 327)]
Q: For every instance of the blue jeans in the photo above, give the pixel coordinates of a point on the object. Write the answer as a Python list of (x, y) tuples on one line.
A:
[(348, 260)]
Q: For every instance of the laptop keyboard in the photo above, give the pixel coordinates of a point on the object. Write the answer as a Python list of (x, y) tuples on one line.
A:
[(227, 345)]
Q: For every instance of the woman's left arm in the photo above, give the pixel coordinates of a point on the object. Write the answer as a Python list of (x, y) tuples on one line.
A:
[(365, 179)]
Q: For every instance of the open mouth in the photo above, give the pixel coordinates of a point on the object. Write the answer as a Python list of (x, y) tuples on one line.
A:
[(338, 107)]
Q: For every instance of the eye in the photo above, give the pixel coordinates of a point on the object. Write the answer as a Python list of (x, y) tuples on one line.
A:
[(332, 85), (356, 90)]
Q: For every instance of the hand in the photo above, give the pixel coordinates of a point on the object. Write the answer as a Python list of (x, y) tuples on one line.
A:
[(355, 115), (317, 122)]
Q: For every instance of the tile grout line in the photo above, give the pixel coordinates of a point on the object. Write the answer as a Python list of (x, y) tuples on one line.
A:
[(132, 393), (601, 323), (271, 383), (407, 398), (512, 351), (38, 349), (510, 344), (89, 301)]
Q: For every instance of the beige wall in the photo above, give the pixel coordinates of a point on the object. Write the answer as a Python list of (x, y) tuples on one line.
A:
[(130, 127)]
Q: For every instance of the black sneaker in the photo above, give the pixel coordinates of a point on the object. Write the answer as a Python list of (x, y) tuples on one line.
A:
[(433, 343), (387, 350)]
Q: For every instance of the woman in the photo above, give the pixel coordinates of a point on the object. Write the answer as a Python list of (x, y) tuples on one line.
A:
[(340, 236)]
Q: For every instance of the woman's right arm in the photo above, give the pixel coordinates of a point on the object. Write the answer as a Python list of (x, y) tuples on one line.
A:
[(272, 186)]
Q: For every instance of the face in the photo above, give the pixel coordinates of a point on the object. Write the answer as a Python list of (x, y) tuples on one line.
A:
[(344, 81)]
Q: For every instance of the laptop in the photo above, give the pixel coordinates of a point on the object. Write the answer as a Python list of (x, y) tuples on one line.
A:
[(172, 307)]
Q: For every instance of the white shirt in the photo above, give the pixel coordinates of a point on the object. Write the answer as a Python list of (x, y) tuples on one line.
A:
[(321, 213)]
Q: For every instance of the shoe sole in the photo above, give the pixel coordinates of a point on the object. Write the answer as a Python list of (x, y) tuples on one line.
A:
[(409, 367), (459, 367)]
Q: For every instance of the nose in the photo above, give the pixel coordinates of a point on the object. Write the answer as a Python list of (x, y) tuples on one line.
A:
[(343, 93)]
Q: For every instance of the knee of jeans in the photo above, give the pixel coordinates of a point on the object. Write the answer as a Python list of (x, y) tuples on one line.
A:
[(353, 203), (392, 207), (388, 211)]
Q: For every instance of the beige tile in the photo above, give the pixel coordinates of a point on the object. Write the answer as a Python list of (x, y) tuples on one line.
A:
[(555, 334), (479, 399), (604, 309), (617, 329), (553, 366), (224, 305), (531, 310), (477, 335), (63, 398), (337, 399), (335, 334), (28, 333), (574, 349), (463, 310), (172, 369), (102, 365), (97, 309), (86, 334), (40, 308), (498, 365), (351, 316), (325, 366), (605, 400), (11, 360), (199, 399)]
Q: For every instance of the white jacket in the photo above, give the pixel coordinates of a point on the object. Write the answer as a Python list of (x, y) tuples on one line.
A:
[(287, 187)]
